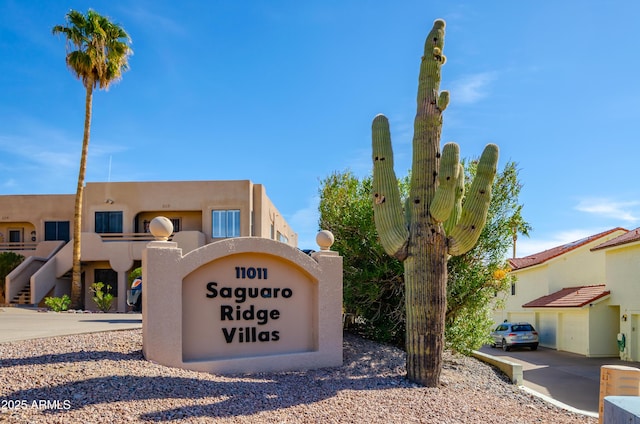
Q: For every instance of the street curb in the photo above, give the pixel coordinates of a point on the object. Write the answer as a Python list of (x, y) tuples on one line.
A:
[(559, 404), (511, 369)]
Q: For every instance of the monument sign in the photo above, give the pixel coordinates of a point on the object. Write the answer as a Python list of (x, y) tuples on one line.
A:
[(244, 304)]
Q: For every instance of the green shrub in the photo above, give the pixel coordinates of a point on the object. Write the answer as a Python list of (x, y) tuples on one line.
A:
[(58, 304), (103, 299), (135, 273), (8, 262)]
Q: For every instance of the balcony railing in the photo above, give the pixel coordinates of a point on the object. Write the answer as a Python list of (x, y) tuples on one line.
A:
[(18, 246), (128, 236)]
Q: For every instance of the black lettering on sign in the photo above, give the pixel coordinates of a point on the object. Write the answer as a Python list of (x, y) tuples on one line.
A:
[(227, 313), (249, 335), (211, 288), (241, 294), (251, 273)]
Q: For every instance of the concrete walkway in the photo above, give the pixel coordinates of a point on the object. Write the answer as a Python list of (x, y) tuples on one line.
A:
[(17, 323)]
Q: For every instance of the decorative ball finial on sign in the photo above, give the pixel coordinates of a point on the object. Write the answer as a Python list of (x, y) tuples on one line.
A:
[(161, 228), (325, 239)]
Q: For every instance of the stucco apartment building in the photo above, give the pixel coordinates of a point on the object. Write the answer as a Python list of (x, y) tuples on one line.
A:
[(116, 217), (582, 297)]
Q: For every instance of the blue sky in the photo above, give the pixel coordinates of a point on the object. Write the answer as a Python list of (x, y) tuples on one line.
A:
[(283, 93)]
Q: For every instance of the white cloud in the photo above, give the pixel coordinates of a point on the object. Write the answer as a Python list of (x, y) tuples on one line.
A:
[(609, 209), (471, 88)]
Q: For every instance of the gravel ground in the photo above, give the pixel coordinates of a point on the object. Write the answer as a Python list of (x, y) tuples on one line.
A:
[(103, 378)]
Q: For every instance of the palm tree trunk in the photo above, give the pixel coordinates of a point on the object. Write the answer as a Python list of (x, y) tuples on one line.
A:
[(76, 276)]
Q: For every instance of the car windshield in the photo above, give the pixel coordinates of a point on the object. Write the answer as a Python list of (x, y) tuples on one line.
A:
[(522, 327)]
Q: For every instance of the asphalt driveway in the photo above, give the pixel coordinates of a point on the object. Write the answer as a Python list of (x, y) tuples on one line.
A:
[(18, 323), (566, 377)]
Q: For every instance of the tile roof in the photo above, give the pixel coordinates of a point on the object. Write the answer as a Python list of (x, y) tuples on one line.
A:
[(629, 237), (571, 297), (538, 258)]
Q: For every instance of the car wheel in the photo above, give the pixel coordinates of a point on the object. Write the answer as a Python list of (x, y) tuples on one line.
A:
[(534, 347), (505, 346)]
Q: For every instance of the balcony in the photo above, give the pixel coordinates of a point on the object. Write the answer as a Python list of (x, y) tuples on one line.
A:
[(15, 247)]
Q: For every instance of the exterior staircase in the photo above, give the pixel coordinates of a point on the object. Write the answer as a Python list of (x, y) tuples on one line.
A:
[(23, 297)]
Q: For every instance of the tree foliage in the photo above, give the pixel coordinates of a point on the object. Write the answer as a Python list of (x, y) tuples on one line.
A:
[(8, 262), (373, 281), (477, 276)]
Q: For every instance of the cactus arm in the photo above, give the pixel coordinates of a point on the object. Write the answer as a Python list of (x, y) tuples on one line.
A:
[(387, 206), (445, 196), (474, 211), (427, 128), (443, 100), (451, 222)]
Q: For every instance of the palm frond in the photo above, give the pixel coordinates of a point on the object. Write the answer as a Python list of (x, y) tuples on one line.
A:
[(98, 49)]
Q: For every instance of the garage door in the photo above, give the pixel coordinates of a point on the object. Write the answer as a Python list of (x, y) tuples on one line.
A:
[(572, 334), (547, 328)]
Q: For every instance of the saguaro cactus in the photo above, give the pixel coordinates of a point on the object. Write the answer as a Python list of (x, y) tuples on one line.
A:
[(438, 220)]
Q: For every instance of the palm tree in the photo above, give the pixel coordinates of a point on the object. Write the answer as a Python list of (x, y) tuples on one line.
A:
[(518, 226), (97, 54)]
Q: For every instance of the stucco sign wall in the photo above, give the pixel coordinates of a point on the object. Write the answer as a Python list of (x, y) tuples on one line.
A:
[(242, 305), (248, 304)]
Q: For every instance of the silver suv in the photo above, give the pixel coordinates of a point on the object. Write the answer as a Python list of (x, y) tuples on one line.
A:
[(515, 334)]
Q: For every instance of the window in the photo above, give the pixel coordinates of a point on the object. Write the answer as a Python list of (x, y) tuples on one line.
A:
[(282, 238), (15, 236), (109, 277), (225, 223), (522, 327), (176, 224), (513, 289), (109, 222), (56, 230)]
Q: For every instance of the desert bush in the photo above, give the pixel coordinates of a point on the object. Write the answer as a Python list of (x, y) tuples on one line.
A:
[(58, 304)]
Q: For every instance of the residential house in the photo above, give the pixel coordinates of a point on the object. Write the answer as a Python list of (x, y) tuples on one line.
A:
[(567, 294), (622, 259), (116, 217)]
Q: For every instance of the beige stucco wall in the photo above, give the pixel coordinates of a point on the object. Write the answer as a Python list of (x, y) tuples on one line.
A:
[(29, 213), (190, 201), (630, 328), (579, 267), (268, 221), (623, 279), (531, 283)]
